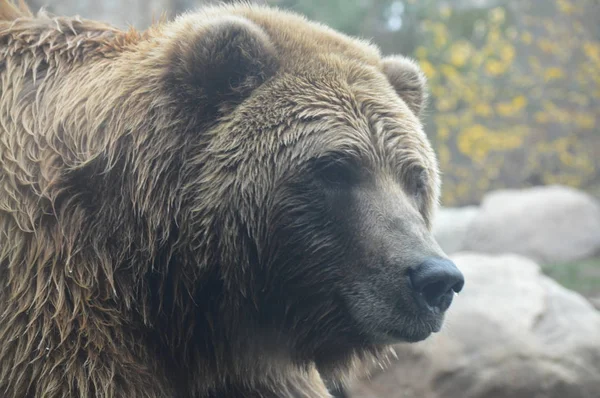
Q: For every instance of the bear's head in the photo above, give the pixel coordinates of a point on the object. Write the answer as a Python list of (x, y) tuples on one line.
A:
[(319, 178), (240, 181)]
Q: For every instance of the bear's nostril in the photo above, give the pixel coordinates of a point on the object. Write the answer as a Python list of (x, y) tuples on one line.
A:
[(432, 293), (458, 286), (437, 279)]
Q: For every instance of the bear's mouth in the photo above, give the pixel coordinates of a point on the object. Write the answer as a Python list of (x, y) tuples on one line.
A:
[(411, 329), (423, 320)]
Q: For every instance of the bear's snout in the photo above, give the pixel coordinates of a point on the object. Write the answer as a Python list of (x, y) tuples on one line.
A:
[(435, 281)]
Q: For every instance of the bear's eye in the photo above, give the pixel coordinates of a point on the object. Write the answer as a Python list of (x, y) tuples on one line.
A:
[(335, 171)]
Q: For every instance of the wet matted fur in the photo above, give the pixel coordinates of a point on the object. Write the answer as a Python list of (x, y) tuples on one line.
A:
[(163, 229)]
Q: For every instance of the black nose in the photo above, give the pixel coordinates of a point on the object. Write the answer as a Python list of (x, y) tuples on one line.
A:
[(436, 279)]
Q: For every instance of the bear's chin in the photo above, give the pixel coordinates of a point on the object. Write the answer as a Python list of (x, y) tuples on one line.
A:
[(411, 332)]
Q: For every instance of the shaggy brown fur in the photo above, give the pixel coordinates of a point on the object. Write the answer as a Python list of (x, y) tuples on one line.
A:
[(154, 240)]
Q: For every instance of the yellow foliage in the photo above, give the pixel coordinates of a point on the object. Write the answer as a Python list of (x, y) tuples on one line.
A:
[(449, 72), (438, 91), (460, 53), (421, 52), (440, 33), (477, 141), (493, 37), (553, 73), (443, 133), (486, 109), (507, 53), (495, 68), (440, 40), (565, 6), (504, 109), (511, 108), (548, 46), (526, 37), (585, 120), (497, 15), (428, 69), (445, 104), (519, 102), (483, 109), (592, 51)]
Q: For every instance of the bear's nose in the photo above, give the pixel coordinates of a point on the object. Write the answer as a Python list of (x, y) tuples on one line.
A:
[(436, 279)]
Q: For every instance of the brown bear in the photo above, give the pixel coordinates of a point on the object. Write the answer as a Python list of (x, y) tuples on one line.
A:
[(236, 203)]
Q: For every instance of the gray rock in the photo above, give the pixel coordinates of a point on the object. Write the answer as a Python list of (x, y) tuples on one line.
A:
[(548, 224), (450, 226), (511, 333)]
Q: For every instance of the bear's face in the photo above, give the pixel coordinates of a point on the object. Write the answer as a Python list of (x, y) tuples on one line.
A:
[(322, 165), (342, 206), (348, 216)]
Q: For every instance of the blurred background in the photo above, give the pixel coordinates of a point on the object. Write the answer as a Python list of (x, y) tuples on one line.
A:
[(515, 121)]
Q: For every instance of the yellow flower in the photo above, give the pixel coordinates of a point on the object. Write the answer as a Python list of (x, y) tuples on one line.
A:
[(553, 73), (493, 36), (483, 109), (519, 102), (592, 50), (526, 37), (428, 69), (494, 68), (459, 53), (507, 53), (449, 72), (440, 33), (497, 14), (505, 109), (585, 121), (565, 6)]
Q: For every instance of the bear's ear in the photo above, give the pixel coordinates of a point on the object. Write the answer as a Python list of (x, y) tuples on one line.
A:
[(220, 62), (408, 80)]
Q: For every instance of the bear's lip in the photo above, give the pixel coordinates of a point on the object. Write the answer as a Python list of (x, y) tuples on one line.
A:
[(422, 326), (416, 333)]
